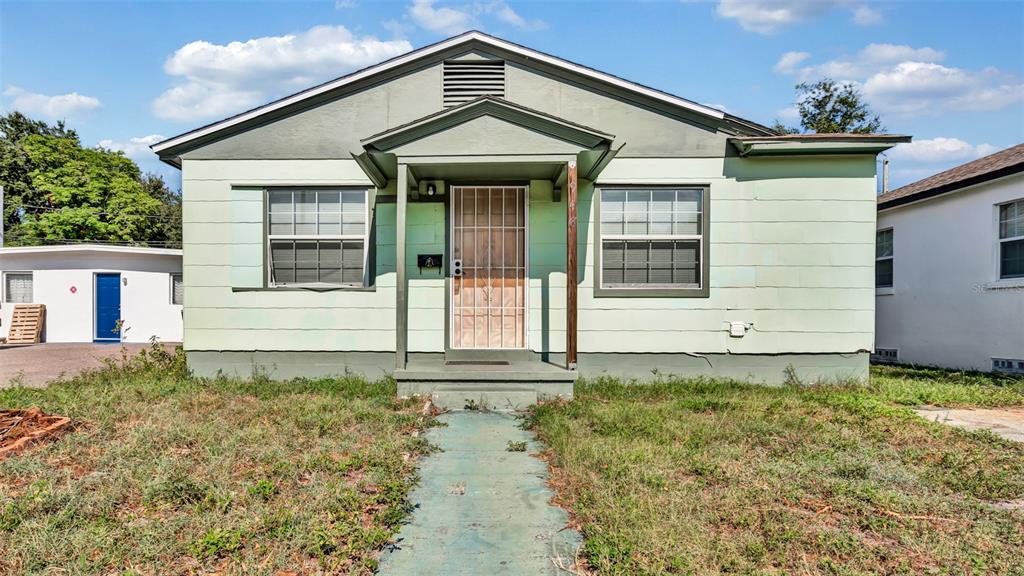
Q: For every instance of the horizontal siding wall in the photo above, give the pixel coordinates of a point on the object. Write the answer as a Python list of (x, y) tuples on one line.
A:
[(223, 237), (792, 253)]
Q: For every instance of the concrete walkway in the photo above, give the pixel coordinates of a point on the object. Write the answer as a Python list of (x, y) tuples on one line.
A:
[(1006, 422), (481, 509)]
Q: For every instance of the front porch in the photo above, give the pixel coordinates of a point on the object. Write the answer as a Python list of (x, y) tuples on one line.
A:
[(484, 166)]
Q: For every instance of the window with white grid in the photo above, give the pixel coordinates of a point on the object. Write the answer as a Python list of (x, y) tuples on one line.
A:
[(316, 237), (1011, 240), (652, 237), (18, 287)]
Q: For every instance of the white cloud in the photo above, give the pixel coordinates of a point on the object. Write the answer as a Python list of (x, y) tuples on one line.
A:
[(900, 79), (507, 15), (771, 16), (134, 147), (939, 150), (221, 79), (789, 61), (442, 20), (923, 158), (866, 16), (342, 4), (56, 107), (450, 20), (788, 115)]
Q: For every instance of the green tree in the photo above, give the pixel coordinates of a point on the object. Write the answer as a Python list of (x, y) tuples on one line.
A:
[(15, 165), (830, 107), (60, 191)]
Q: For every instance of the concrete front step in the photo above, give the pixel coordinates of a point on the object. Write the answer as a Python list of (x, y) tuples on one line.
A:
[(463, 395)]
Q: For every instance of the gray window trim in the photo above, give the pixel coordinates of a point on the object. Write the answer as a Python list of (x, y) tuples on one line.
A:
[(367, 238), (1000, 241), (891, 257), (171, 285), (702, 291)]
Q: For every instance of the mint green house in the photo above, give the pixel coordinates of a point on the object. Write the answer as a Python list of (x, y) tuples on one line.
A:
[(418, 218)]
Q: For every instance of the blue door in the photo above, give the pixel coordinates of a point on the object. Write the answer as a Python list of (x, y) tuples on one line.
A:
[(108, 307)]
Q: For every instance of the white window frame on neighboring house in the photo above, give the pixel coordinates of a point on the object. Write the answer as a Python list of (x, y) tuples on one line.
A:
[(1008, 230), (179, 278), (608, 231), (890, 257), (32, 286), (274, 235)]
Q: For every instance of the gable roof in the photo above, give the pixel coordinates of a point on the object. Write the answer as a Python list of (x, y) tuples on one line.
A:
[(488, 106), (471, 38), (991, 167)]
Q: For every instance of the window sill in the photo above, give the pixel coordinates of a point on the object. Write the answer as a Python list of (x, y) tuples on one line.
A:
[(1006, 284), (600, 292), (306, 289), (885, 291)]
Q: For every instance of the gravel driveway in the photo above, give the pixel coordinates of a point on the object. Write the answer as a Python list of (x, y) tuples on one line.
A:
[(37, 364)]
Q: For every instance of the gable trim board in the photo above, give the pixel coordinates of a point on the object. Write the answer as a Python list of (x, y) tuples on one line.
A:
[(170, 149)]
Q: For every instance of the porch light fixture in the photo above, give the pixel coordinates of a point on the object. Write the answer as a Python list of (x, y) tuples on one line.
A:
[(431, 189)]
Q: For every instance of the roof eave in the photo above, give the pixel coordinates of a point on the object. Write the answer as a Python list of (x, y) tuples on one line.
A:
[(815, 146), (930, 193)]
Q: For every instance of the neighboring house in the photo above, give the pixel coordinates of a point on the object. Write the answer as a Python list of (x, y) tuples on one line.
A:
[(87, 289), (413, 218), (950, 268)]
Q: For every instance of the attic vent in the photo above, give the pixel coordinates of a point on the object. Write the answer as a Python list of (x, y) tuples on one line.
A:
[(465, 80)]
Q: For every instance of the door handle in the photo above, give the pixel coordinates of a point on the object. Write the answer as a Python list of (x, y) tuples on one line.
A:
[(457, 268)]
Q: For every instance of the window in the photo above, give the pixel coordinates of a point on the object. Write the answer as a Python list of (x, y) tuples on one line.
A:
[(883, 258), (177, 289), (1011, 240), (653, 239), (885, 356), (18, 287), (316, 237)]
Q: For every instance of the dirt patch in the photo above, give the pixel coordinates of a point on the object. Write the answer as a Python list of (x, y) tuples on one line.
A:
[(20, 429), (1005, 422)]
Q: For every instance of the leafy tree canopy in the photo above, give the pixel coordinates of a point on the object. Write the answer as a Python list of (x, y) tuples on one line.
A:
[(58, 191), (830, 107)]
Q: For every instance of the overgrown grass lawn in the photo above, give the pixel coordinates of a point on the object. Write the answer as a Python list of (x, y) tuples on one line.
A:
[(702, 477), (172, 475)]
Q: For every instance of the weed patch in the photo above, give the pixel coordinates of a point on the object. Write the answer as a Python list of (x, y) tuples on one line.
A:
[(709, 477), (179, 475)]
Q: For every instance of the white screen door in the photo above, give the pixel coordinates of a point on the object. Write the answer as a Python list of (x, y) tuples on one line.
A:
[(488, 301)]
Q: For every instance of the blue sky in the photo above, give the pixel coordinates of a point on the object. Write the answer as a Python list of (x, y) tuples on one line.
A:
[(125, 74)]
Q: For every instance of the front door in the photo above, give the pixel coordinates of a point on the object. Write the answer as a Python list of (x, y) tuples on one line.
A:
[(108, 308), (488, 298)]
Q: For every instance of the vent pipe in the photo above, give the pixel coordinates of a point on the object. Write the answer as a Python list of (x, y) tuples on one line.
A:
[(885, 175)]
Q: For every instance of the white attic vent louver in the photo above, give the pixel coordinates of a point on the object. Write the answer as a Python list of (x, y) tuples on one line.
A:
[(465, 80)]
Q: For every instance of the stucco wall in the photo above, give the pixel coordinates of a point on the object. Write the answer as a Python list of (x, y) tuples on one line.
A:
[(145, 299), (946, 307), (792, 252)]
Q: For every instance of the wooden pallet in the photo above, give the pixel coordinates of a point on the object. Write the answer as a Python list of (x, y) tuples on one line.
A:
[(27, 324)]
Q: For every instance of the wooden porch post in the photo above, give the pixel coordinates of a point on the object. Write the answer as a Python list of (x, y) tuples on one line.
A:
[(571, 250), (401, 296)]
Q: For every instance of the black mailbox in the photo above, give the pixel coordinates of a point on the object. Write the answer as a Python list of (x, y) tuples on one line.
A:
[(428, 261)]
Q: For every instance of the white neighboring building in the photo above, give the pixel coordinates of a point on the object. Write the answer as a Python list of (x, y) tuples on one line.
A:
[(88, 288), (950, 268)]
